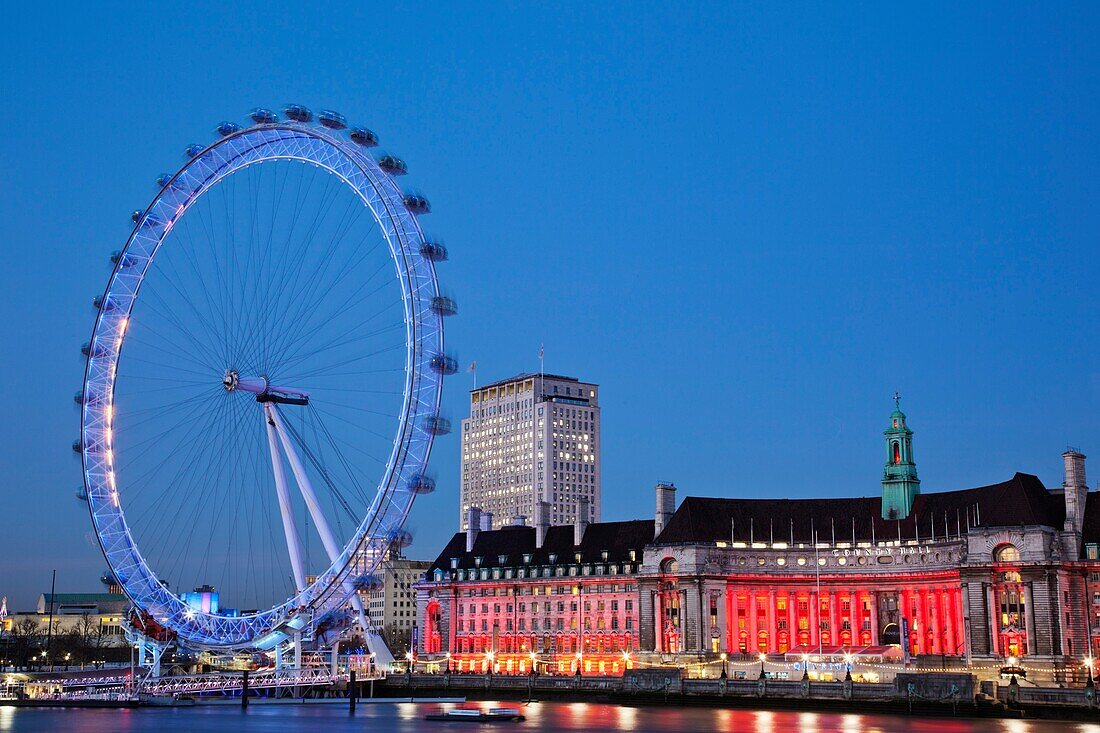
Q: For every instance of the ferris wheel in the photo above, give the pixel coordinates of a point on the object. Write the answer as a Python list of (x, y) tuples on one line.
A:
[(263, 380)]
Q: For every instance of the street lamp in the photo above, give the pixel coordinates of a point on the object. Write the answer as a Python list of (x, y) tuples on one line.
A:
[(805, 666), (848, 662), (763, 657), (1089, 683), (725, 664), (579, 659)]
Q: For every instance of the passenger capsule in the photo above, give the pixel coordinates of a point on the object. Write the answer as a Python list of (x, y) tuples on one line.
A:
[(332, 120), (417, 204), (363, 136), (437, 425), (421, 484), (87, 350), (136, 214), (443, 364), (100, 304), (444, 306), (193, 150), (263, 116), (393, 165), (401, 538), (77, 447), (164, 179), (123, 260), (298, 113), (226, 129), (434, 251), (82, 493)]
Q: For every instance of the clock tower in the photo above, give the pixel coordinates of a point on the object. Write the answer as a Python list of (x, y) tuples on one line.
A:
[(900, 485)]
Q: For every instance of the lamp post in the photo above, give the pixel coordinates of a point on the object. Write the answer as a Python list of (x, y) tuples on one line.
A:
[(763, 657), (848, 664), (805, 666), (1089, 682), (725, 665), (448, 657)]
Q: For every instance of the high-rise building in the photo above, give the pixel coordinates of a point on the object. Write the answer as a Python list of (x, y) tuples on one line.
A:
[(530, 439)]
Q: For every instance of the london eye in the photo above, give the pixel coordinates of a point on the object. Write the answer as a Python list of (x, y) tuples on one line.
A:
[(263, 380)]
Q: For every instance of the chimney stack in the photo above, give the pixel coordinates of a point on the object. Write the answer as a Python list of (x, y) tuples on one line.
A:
[(486, 521), (581, 522), (519, 520), (473, 526), (542, 523), (1075, 489), (666, 505)]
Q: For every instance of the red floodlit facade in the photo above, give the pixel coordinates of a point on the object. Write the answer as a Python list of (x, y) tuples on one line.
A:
[(1010, 570), (559, 599)]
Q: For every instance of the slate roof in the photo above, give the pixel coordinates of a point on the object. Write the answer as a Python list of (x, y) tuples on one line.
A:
[(1021, 500), (617, 538), (1091, 530)]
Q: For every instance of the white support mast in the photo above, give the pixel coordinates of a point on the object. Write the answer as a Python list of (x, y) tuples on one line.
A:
[(293, 543), (306, 487)]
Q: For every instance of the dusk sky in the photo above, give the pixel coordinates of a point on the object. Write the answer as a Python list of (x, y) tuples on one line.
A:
[(750, 223)]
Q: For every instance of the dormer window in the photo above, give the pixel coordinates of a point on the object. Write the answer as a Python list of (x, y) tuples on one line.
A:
[(454, 563), (632, 558), (577, 557), (527, 559), (477, 561), (604, 555), (502, 559), (553, 558)]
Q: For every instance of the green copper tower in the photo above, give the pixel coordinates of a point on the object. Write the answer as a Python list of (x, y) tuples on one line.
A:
[(900, 485)]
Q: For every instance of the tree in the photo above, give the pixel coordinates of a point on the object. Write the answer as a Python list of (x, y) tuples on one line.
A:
[(26, 640), (397, 639)]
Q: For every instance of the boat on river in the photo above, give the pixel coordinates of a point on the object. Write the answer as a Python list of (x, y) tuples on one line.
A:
[(476, 715)]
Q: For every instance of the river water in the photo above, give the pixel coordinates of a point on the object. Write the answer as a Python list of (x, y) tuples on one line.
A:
[(548, 716)]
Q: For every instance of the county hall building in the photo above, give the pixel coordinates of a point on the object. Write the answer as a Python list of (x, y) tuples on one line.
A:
[(989, 573)]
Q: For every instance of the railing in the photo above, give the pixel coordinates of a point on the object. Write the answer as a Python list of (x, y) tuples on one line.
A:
[(223, 683)]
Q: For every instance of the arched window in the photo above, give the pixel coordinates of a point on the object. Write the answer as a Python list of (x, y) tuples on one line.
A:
[(897, 453), (1006, 553), (669, 565)]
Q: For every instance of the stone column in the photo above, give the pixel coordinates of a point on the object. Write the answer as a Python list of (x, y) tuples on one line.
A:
[(815, 619), (751, 610), (1029, 619), (873, 602), (834, 619), (792, 620), (950, 613), (993, 621), (722, 599), (735, 620), (773, 630), (922, 621), (658, 622)]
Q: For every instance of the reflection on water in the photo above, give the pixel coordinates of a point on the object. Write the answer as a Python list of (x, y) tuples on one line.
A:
[(549, 717)]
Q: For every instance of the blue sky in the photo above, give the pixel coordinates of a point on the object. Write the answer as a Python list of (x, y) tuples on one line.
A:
[(750, 223)]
